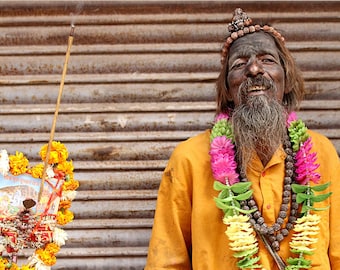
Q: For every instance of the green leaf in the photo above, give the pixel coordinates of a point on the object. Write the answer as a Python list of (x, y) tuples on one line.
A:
[(244, 253), (226, 199), (220, 204), (321, 197), (305, 208), (244, 196), (224, 193), (299, 188), (319, 208), (219, 186), (321, 187), (301, 262), (247, 262), (240, 187), (246, 211), (307, 252), (228, 212), (301, 197), (235, 207)]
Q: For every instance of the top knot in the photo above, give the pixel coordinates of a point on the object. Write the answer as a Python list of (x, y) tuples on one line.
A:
[(239, 21)]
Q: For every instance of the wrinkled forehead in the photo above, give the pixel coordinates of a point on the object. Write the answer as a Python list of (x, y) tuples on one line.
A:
[(258, 43)]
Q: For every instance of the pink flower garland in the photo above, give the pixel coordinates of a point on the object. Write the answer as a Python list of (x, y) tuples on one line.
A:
[(224, 166), (223, 162)]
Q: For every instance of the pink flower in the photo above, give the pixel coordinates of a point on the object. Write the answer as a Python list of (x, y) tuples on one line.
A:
[(305, 164), (224, 169), (221, 116), (291, 117), (223, 163), (221, 145)]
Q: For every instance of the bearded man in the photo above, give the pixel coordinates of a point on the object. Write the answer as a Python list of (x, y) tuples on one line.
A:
[(258, 190)]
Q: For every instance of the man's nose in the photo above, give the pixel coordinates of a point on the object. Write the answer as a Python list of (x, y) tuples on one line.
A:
[(254, 67)]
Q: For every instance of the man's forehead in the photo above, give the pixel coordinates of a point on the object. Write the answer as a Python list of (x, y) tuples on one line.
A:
[(258, 43)]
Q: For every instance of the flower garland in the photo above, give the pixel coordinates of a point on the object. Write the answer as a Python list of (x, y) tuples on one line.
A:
[(241, 234), (40, 231)]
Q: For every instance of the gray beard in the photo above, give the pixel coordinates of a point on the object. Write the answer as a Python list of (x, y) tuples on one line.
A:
[(259, 127)]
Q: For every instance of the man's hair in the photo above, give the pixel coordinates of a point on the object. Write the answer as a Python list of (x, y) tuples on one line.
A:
[(293, 81)]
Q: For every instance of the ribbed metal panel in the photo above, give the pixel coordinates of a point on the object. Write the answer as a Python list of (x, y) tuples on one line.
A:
[(140, 79)]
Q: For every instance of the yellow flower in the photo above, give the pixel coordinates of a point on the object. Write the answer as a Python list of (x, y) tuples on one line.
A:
[(240, 233), (65, 216), (18, 163), (58, 153), (64, 204), (37, 171), (46, 257), (14, 267), (52, 248), (305, 228), (66, 167), (71, 184), (26, 267)]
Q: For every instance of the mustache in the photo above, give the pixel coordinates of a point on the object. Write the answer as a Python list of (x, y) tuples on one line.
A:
[(259, 81)]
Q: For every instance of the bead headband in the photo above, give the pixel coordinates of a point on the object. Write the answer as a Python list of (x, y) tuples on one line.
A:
[(242, 25)]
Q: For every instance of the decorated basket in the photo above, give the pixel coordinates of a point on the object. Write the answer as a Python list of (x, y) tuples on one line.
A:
[(35, 201)]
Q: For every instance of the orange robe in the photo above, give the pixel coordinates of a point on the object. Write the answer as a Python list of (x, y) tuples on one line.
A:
[(188, 231)]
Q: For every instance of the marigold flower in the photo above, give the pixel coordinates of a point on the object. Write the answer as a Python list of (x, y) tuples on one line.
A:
[(66, 167), (18, 163), (58, 153), (64, 204), (14, 267), (46, 257), (52, 248), (64, 216), (71, 184), (37, 170), (26, 267)]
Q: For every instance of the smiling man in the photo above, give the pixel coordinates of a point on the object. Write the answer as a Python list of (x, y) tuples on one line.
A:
[(259, 190)]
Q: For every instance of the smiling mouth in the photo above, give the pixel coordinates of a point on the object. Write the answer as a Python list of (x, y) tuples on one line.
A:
[(256, 88)]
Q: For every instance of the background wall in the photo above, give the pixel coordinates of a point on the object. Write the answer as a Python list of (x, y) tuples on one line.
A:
[(140, 79)]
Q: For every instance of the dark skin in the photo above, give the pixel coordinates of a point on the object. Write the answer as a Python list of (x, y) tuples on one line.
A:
[(250, 56)]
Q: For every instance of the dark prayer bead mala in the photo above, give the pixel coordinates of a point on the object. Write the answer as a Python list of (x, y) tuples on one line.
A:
[(276, 233)]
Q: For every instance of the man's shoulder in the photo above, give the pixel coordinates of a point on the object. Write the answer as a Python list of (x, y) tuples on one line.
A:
[(318, 137), (321, 143), (196, 145)]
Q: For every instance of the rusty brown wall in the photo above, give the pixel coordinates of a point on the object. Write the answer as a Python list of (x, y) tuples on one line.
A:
[(140, 79)]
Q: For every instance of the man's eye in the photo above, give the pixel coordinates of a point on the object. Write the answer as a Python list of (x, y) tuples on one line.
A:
[(238, 65), (268, 60)]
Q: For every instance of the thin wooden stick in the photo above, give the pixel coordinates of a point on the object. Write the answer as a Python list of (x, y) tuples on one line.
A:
[(279, 262), (68, 52)]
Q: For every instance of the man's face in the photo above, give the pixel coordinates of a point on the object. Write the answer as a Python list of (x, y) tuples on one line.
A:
[(254, 68)]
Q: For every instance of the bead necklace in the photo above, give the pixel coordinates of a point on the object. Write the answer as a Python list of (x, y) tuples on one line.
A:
[(241, 213), (276, 233)]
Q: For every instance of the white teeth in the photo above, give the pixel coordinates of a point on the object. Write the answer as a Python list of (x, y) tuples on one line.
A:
[(256, 88)]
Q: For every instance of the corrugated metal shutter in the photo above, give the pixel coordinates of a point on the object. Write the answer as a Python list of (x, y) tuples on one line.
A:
[(140, 79)]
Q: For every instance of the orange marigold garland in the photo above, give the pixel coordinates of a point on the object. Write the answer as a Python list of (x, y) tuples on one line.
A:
[(23, 228)]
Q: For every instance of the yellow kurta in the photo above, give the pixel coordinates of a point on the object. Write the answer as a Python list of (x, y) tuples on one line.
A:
[(188, 231)]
